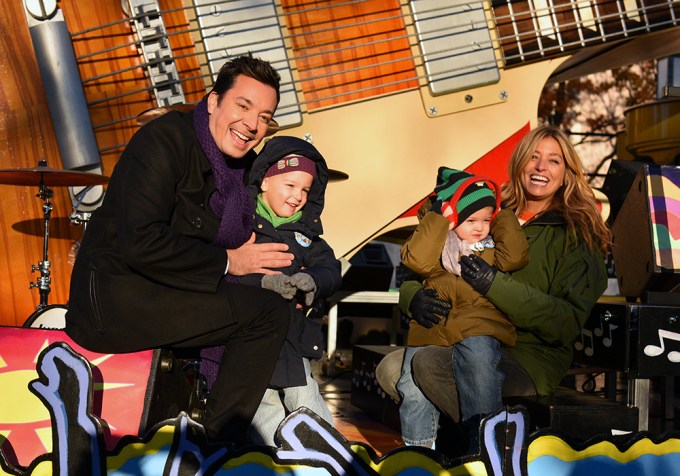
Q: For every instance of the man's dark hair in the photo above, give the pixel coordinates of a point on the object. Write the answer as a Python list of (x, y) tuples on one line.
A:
[(246, 65)]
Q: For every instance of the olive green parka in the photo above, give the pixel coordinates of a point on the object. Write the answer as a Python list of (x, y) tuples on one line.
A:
[(548, 300)]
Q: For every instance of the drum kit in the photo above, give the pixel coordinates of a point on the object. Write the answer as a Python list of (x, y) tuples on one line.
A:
[(45, 177)]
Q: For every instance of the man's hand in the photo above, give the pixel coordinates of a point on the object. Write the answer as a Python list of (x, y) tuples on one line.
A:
[(477, 273), (261, 258), (279, 283), (306, 285), (426, 308)]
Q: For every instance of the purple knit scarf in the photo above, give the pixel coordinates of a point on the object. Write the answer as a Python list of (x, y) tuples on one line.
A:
[(230, 200)]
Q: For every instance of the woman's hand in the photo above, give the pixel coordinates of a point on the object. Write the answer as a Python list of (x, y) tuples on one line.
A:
[(477, 273), (261, 258), (426, 308)]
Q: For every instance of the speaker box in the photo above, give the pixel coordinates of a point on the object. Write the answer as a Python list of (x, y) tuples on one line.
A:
[(577, 414), (617, 183), (637, 338), (371, 270), (645, 251), (366, 393)]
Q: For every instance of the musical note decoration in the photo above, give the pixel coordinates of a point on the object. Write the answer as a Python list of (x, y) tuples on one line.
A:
[(599, 332), (582, 345), (602, 332), (657, 350)]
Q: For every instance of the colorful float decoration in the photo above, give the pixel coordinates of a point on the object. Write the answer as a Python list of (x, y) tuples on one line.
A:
[(53, 426)]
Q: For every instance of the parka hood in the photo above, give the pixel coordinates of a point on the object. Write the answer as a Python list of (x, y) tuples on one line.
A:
[(277, 148)]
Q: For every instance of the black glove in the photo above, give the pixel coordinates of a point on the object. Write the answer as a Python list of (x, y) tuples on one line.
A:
[(437, 206), (425, 305), (443, 207), (477, 273)]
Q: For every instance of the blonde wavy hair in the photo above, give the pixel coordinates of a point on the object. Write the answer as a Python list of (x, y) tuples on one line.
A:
[(574, 199)]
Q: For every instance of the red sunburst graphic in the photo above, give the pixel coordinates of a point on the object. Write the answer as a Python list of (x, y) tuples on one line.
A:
[(119, 387)]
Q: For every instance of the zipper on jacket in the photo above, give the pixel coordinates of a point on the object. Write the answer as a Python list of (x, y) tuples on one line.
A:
[(95, 302)]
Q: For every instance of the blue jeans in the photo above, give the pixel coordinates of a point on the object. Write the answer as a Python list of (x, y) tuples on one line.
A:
[(478, 377), (419, 417), (273, 410)]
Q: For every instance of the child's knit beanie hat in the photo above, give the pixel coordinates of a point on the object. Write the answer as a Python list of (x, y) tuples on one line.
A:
[(465, 194)]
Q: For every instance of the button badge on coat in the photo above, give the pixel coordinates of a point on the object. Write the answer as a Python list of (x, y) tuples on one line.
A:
[(302, 239)]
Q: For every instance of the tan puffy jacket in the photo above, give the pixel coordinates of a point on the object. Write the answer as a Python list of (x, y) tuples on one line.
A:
[(471, 314)]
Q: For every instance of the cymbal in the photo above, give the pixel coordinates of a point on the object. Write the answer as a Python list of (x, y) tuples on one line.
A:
[(50, 177), (273, 128), (60, 227), (151, 114), (336, 176)]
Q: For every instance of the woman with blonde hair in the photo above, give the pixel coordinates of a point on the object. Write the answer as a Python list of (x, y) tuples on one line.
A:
[(548, 301), (574, 198)]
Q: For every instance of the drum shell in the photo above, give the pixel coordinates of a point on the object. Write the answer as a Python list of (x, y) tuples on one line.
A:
[(52, 316)]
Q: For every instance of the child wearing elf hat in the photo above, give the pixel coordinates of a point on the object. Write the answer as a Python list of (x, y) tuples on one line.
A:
[(287, 183), (465, 218)]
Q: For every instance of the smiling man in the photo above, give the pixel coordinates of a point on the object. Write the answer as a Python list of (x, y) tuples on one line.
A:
[(240, 117), (158, 264)]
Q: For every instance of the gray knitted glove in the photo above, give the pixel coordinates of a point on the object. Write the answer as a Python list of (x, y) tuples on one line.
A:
[(279, 283), (304, 283)]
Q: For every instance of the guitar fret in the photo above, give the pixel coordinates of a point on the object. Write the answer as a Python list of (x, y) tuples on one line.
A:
[(622, 20), (516, 31), (598, 20), (577, 21), (630, 9), (644, 13), (556, 23), (618, 21), (543, 20), (611, 19), (585, 11), (537, 26), (568, 24)]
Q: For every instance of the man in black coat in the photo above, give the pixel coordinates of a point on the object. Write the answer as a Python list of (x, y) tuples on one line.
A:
[(159, 262)]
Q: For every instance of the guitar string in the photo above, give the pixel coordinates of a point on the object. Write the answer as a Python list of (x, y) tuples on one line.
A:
[(572, 5), (216, 3), (132, 118), (581, 23), (199, 29), (526, 15), (449, 51)]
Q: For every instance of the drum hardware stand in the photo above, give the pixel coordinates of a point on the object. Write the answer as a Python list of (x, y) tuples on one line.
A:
[(44, 176), (78, 217), (43, 282)]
